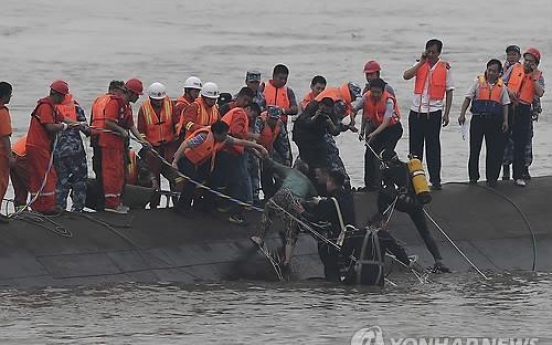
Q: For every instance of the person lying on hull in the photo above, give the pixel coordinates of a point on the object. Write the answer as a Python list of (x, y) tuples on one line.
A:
[(405, 186)]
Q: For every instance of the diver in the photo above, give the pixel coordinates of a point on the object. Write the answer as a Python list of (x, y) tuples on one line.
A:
[(399, 187)]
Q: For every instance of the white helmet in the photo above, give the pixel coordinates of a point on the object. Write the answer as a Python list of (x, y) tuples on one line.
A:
[(193, 83), (157, 91), (210, 90)]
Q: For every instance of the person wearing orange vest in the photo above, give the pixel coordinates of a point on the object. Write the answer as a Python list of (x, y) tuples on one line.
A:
[(195, 158), (70, 157), (489, 100), (46, 123), (19, 173), (278, 94), (192, 88), (381, 122), (274, 138), (113, 142), (433, 83), (202, 112), (155, 123), (525, 82), (6, 157), (317, 85)]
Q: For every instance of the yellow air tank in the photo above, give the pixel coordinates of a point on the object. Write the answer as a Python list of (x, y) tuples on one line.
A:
[(419, 182)]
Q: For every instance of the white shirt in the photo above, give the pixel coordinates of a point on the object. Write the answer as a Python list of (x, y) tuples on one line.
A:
[(473, 92), (422, 104)]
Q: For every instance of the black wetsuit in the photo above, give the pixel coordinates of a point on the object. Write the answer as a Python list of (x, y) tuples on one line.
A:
[(396, 183)]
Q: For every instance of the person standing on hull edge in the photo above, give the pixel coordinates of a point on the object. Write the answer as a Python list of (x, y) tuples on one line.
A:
[(232, 161), (202, 112), (196, 157), (274, 138), (317, 85), (7, 159), (381, 128), (114, 144), (253, 81), (278, 94), (525, 82), (97, 124), (192, 88), (70, 157), (397, 185), (46, 122), (513, 57), (433, 80), (295, 188), (252, 160), (156, 125), (489, 99)]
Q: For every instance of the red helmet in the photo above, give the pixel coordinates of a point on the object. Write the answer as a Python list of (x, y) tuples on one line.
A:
[(60, 86), (372, 66), (535, 52), (135, 85)]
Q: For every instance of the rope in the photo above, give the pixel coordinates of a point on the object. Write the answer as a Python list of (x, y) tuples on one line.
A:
[(39, 220)]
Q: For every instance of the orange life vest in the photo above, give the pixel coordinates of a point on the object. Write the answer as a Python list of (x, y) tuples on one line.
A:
[(228, 118), (132, 168), (375, 110), (340, 93), (159, 129), (97, 116), (67, 108), (437, 80), (181, 103), (489, 99), (19, 147), (204, 151), (205, 116), (521, 84), (268, 135), (277, 96)]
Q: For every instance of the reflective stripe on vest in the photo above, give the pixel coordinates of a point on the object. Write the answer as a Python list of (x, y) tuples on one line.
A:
[(437, 80), (375, 111), (521, 84), (204, 116), (268, 136), (204, 151), (277, 96), (159, 129)]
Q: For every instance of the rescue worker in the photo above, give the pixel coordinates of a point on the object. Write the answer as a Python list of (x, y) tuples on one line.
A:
[(253, 81), (19, 174), (489, 99), (202, 112), (381, 128), (317, 85), (397, 185), (252, 160), (46, 122), (97, 125), (278, 94), (138, 173), (433, 80), (231, 165), (156, 125), (241, 100), (513, 57), (7, 159), (525, 82), (196, 156), (192, 88), (286, 204), (274, 138), (70, 158), (118, 121)]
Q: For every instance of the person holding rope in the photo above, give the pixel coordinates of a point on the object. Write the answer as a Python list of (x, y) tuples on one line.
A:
[(398, 192), (295, 187)]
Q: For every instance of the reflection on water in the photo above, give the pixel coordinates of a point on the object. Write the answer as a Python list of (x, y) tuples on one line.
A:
[(252, 313)]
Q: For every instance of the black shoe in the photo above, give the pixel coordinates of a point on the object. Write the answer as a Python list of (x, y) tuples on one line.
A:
[(440, 267), (525, 175), (436, 186), (473, 182), (491, 183)]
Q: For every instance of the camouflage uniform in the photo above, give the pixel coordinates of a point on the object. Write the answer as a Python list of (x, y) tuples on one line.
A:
[(71, 167), (288, 201)]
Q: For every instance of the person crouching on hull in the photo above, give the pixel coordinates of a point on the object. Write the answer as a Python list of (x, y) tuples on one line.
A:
[(398, 186), (489, 98)]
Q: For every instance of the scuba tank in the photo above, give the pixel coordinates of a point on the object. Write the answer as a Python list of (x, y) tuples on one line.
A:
[(418, 178)]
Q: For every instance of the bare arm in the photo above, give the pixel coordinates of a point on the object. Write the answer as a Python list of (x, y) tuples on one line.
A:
[(178, 153), (411, 72), (465, 105), (448, 106)]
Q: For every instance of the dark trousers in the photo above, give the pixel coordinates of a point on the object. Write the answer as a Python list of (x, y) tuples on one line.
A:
[(416, 213), (387, 139), (520, 125), (490, 128), (197, 173), (426, 129)]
